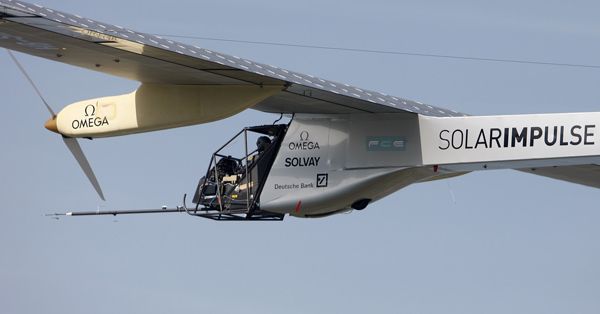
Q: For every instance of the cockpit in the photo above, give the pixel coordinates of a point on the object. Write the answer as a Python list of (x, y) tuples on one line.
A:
[(237, 172)]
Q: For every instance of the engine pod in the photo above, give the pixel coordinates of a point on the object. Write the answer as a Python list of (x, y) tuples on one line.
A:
[(157, 106)]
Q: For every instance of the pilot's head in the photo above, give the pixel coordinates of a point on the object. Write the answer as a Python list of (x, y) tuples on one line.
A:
[(262, 143)]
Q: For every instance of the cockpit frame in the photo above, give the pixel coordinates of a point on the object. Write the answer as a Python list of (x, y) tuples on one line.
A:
[(231, 187)]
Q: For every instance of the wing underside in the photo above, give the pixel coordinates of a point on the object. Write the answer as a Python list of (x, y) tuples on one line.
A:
[(588, 175), (146, 58)]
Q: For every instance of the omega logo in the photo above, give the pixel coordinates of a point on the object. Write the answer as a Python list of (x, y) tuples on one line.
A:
[(304, 143), (90, 110), (91, 119), (304, 136)]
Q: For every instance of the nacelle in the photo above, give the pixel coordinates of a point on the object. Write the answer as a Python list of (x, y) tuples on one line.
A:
[(155, 107)]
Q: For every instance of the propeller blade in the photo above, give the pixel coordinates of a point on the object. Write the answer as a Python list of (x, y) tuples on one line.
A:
[(12, 56), (75, 149), (71, 143)]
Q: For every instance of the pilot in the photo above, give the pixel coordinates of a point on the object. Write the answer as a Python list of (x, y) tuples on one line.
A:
[(262, 143)]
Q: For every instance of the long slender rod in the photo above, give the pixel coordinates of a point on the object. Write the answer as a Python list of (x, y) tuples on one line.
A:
[(121, 212)]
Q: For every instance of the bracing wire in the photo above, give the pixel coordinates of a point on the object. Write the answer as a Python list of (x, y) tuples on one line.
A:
[(391, 52)]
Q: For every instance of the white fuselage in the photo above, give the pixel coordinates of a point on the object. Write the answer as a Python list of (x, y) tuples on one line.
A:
[(326, 163)]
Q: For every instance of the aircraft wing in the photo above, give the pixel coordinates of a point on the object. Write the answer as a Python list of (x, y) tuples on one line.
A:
[(112, 49), (588, 175)]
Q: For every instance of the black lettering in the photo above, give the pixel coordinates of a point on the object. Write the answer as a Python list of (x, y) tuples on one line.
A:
[(467, 140), (481, 139), (75, 124), (516, 137), (302, 162), (461, 139), (562, 136), (495, 137), (506, 137), (550, 143), (576, 135), (315, 161), (304, 146), (587, 134), (306, 185), (536, 133), (445, 140)]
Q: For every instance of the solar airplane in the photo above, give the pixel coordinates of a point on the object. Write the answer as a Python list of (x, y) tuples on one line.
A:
[(340, 148)]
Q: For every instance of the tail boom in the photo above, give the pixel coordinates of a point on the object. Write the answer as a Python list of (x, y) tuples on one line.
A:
[(513, 141)]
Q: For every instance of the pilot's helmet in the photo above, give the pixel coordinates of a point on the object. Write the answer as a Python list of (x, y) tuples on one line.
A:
[(262, 143)]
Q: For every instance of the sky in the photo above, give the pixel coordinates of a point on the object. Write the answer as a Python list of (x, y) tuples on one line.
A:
[(488, 242)]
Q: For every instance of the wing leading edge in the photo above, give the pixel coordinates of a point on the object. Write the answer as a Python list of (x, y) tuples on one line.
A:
[(112, 49)]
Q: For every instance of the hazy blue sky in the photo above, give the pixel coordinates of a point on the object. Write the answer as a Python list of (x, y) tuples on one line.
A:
[(497, 242)]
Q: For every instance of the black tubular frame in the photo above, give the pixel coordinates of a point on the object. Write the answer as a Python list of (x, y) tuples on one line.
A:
[(252, 209)]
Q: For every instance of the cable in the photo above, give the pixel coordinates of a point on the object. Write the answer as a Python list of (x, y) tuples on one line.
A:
[(389, 52)]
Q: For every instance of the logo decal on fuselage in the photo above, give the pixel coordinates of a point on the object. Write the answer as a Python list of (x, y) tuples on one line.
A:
[(90, 119), (386, 143), (302, 161), (305, 143), (517, 137), (322, 180)]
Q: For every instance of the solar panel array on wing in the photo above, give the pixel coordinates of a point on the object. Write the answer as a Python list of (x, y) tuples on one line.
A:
[(233, 62)]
